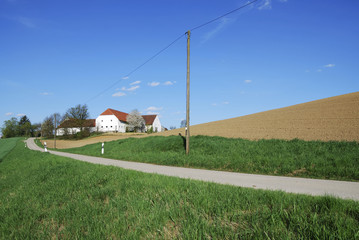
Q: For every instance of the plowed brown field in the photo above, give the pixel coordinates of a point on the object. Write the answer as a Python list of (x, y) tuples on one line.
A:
[(335, 118)]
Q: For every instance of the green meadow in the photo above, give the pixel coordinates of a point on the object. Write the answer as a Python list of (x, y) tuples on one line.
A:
[(44, 196), (311, 159)]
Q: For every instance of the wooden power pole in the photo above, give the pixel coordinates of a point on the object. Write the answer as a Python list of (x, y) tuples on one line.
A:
[(55, 131), (188, 96)]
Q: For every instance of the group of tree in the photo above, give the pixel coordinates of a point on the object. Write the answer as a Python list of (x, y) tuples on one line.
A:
[(23, 126), (77, 115), (20, 128)]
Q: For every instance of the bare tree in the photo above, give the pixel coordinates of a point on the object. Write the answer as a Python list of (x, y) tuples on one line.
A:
[(79, 113), (47, 126), (136, 121), (183, 123)]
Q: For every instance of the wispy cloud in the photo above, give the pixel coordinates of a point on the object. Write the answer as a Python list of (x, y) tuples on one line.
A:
[(9, 114), (135, 83), (265, 5), (27, 22), (119, 94), (247, 81), (124, 78), (20, 114), (169, 83), (222, 24), (45, 93), (130, 89), (153, 84), (330, 65), (154, 108)]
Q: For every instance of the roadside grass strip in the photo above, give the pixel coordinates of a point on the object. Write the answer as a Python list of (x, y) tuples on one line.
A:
[(44, 196), (6, 145), (297, 158)]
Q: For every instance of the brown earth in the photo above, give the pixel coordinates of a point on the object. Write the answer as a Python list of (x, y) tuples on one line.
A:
[(335, 118)]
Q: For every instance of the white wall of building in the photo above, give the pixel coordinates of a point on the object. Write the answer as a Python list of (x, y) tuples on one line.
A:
[(109, 123)]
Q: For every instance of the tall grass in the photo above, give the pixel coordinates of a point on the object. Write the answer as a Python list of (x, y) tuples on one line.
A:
[(314, 159), (48, 197)]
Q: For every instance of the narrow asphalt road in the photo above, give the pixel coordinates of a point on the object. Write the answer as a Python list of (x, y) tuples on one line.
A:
[(341, 189)]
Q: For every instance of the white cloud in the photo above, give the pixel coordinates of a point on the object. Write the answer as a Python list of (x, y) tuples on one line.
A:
[(330, 65), (135, 83), (130, 89), (9, 114), (247, 81), (124, 78), (319, 70), (20, 114), (119, 94), (225, 103), (46, 93), (168, 83), (223, 23), (152, 113), (154, 108), (265, 5), (154, 84)]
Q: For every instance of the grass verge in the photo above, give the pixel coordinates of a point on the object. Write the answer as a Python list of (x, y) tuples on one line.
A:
[(45, 196), (312, 159)]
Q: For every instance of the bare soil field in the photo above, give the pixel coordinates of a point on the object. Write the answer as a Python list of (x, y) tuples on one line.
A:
[(107, 137), (335, 118)]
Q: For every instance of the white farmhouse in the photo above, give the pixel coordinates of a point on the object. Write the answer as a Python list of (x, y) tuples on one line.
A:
[(111, 121), (115, 121)]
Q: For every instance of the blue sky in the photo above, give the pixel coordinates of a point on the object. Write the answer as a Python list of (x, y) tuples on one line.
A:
[(275, 53)]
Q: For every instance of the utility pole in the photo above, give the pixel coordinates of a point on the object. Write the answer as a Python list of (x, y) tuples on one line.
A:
[(55, 131), (188, 96)]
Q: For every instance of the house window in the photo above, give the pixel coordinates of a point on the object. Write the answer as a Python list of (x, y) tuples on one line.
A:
[(111, 126), (101, 126), (111, 120), (106, 126), (101, 120)]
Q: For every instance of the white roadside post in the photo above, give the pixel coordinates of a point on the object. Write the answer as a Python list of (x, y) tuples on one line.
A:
[(45, 146), (102, 151)]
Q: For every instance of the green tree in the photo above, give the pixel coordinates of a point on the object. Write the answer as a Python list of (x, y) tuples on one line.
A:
[(25, 127), (10, 128)]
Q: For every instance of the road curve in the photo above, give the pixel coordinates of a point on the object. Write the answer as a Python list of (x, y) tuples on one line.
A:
[(315, 187)]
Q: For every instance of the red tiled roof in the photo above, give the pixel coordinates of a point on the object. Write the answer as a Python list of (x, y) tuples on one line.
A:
[(149, 119), (120, 115), (72, 123)]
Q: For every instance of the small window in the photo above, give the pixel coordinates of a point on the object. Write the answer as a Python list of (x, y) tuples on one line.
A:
[(111, 126), (101, 126), (101, 120), (111, 120), (106, 126)]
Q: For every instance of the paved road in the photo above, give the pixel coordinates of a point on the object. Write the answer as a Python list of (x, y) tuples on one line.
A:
[(342, 189)]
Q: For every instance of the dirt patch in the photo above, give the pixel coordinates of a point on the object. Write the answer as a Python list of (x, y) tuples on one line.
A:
[(61, 144), (335, 118)]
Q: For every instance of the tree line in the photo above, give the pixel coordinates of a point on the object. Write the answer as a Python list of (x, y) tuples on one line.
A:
[(24, 128)]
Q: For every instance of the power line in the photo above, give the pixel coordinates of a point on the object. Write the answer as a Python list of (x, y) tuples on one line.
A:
[(137, 68), (215, 19), (165, 48)]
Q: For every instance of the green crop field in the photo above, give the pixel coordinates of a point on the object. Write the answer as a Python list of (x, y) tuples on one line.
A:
[(44, 196), (312, 159)]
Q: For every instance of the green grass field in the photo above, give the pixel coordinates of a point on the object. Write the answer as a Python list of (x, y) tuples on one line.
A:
[(312, 159), (44, 196), (6, 145)]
